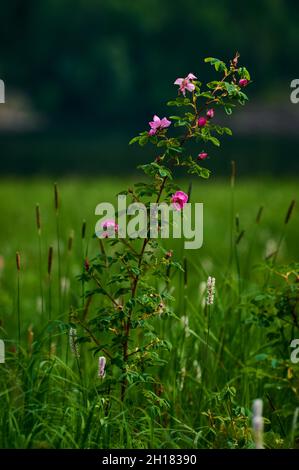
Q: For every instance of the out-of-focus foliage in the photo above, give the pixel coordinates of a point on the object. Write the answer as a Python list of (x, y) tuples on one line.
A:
[(91, 59)]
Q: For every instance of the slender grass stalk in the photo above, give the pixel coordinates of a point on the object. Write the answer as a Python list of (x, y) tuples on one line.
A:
[(74, 348), (57, 207), (271, 403), (238, 238), (83, 255), (18, 263), (65, 287), (50, 263), (294, 426), (39, 234), (30, 340), (209, 304), (232, 185), (253, 239), (281, 239), (283, 234)]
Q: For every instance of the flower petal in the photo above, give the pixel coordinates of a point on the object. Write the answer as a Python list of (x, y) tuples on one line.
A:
[(191, 76), (190, 87), (165, 123)]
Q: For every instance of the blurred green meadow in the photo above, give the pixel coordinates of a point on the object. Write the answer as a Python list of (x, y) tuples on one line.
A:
[(217, 364), (78, 199)]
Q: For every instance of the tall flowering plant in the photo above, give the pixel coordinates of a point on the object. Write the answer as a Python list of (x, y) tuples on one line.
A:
[(124, 274)]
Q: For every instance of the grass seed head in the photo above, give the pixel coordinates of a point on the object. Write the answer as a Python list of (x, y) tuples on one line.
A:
[(289, 212), (38, 219), (73, 342), (50, 260), (210, 290), (18, 261)]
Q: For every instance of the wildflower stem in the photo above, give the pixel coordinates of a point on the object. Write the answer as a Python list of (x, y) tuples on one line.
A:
[(105, 292), (127, 324)]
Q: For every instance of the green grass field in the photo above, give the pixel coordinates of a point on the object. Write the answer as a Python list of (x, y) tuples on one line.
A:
[(221, 359)]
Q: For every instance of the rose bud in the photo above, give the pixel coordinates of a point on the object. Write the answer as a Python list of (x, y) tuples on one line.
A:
[(202, 156), (243, 82), (202, 122)]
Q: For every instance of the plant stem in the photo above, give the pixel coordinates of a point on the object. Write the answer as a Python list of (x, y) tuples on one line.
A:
[(18, 310), (127, 324), (40, 271)]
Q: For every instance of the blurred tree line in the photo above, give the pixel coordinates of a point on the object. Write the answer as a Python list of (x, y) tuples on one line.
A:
[(111, 61)]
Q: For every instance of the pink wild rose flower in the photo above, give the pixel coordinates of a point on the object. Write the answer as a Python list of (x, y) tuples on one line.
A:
[(186, 83), (179, 199), (202, 156), (156, 124), (110, 226), (210, 113)]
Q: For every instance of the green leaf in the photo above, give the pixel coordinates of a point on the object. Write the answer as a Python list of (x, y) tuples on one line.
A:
[(242, 98), (135, 139), (143, 140), (227, 130), (215, 141), (231, 89), (163, 172), (179, 101), (261, 357), (175, 149), (228, 110), (135, 270), (153, 169), (206, 94), (218, 64), (162, 143), (195, 169), (243, 72)]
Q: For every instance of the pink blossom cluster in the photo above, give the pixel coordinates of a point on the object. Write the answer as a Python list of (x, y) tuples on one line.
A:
[(157, 124), (108, 225)]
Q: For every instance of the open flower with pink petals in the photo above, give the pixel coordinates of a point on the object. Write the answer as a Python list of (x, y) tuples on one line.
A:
[(210, 113), (110, 227), (156, 124), (186, 83), (179, 199)]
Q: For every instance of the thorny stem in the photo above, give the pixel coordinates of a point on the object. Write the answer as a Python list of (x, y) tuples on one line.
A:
[(105, 292), (127, 324), (89, 332), (134, 289)]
